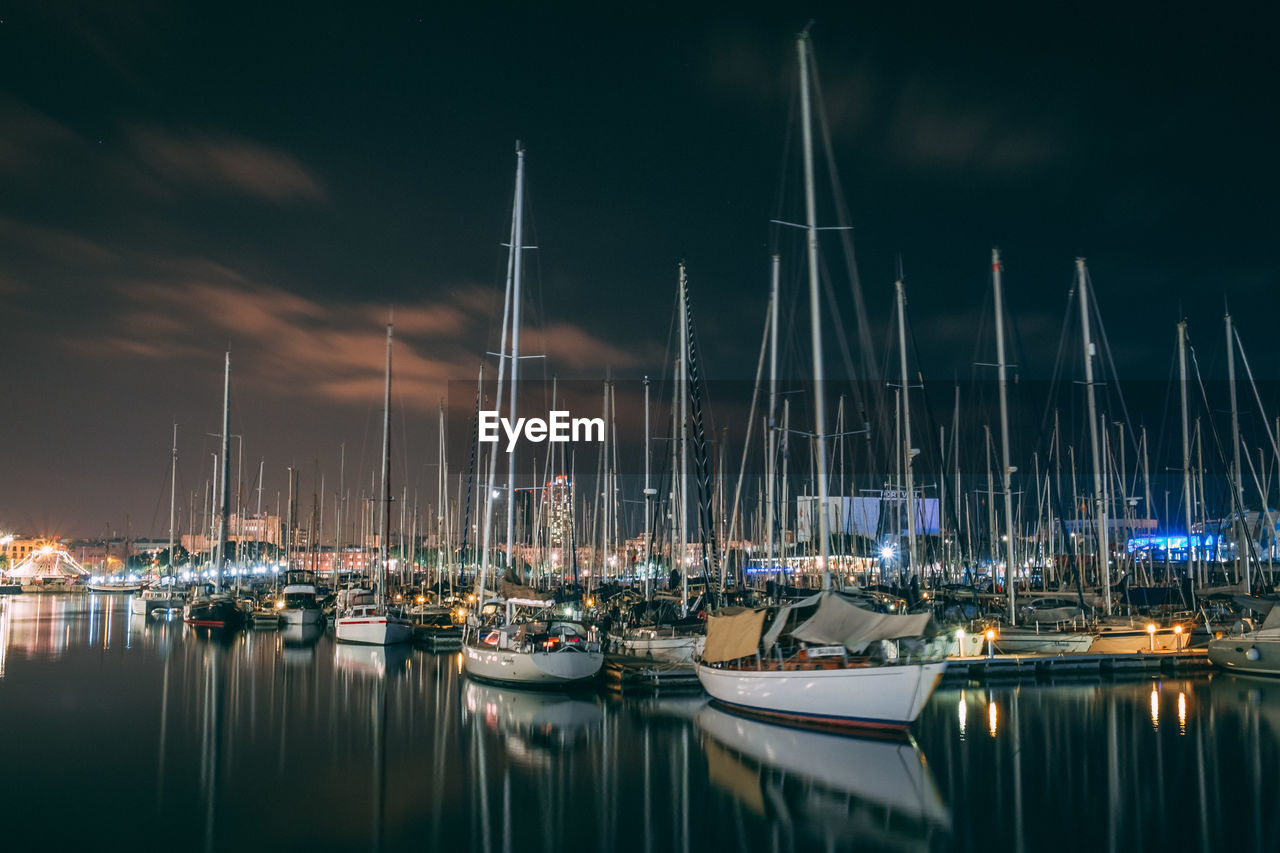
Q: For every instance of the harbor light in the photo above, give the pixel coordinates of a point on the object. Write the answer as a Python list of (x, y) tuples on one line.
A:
[(886, 553), (1177, 637), (280, 604), (1151, 633), (991, 643), (960, 641)]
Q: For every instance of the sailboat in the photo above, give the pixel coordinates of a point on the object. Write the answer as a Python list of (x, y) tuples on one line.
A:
[(521, 641), (162, 596), (843, 666), (367, 618), (213, 608)]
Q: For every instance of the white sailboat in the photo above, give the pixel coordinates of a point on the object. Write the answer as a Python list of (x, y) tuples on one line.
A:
[(163, 595), (521, 642), (1253, 652), (372, 622), (844, 666)]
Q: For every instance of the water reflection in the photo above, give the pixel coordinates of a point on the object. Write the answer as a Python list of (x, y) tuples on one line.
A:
[(840, 789), (285, 739)]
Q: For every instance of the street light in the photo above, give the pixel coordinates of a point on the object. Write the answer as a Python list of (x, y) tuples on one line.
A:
[(1151, 633), (991, 643), (1177, 637)]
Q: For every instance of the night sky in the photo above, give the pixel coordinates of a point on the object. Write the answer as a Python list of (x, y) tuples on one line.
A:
[(277, 178)]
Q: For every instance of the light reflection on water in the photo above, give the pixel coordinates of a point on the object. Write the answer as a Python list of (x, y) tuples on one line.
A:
[(154, 732)]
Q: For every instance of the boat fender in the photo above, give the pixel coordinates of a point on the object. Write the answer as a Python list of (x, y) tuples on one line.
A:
[(1253, 653)]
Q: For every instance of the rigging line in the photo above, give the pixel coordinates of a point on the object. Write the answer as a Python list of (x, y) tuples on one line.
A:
[(746, 442), (1110, 362), (842, 219), (1222, 456), (1254, 386), (1059, 358)]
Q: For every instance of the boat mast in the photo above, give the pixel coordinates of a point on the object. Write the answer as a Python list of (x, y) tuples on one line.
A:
[(1098, 486), (648, 496), (225, 494), (502, 368), (173, 492), (517, 253), (815, 311), (684, 445), (1006, 468), (1186, 454), (384, 523), (908, 455), (771, 449), (1237, 480)]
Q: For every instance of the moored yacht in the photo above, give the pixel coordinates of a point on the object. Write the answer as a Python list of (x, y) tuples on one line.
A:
[(843, 666), (1252, 652), (368, 619), (298, 603), (524, 644)]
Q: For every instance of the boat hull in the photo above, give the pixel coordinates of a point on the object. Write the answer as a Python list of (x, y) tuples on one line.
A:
[(531, 669), (141, 605), (218, 613), (301, 615), (1013, 642), (1131, 641), (885, 698), (1246, 655), (372, 630), (675, 648)]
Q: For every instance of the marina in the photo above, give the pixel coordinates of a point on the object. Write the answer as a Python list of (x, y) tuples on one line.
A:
[(603, 431), (224, 740)]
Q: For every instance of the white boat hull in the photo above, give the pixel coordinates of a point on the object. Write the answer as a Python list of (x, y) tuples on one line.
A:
[(301, 615), (1132, 640), (372, 630), (140, 605), (1013, 642), (531, 669), (873, 697), (677, 648), (1248, 655)]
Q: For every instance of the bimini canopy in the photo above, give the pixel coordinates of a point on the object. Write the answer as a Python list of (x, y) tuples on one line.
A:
[(732, 633), (839, 622)]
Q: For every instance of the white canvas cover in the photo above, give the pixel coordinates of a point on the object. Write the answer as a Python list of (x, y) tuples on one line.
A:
[(780, 621), (838, 621)]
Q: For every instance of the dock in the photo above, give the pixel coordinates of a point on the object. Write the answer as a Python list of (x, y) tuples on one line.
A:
[(624, 672), (1042, 667)]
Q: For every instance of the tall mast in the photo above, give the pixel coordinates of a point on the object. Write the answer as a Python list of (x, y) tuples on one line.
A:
[(1237, 476), (517, 252), (1098, 486), (684, 445), (771, 447), (225, 493), (648, 496), (489, 490), (1006, 469), (907, 453), (173, 492), (384, 522), (1186, 452), (815, 310)]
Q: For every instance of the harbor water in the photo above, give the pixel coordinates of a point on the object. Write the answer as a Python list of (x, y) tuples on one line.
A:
[(125, 733)]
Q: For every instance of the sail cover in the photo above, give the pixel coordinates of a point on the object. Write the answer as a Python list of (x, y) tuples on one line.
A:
[(732, 633), (838, 621)]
